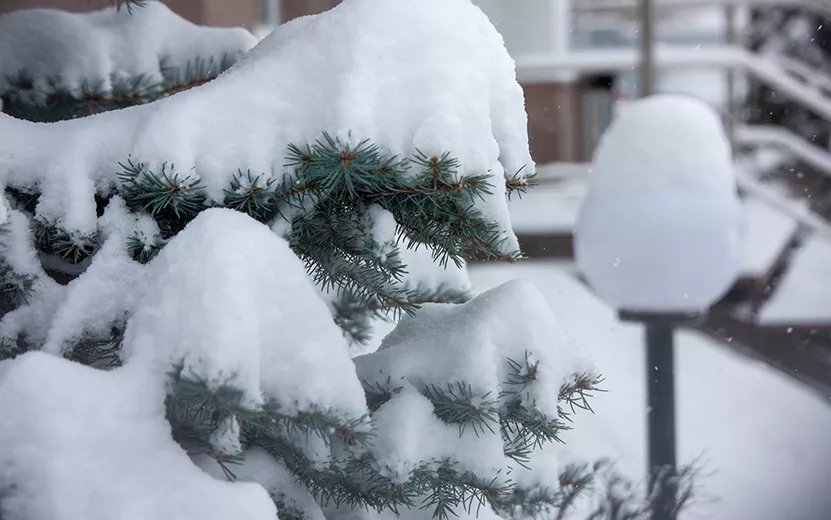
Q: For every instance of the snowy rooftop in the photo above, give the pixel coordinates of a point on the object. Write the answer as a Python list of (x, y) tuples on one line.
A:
[(762, 436)]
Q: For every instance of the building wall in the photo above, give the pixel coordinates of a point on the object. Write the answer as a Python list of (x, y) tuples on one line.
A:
[(291, 9)]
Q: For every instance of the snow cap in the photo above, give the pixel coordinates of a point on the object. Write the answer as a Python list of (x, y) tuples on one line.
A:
[(660, 230), (664, 140), (474, 344), (232, 304)]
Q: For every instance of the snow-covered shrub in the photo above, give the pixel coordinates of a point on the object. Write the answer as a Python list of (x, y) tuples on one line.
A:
[(185, 283)]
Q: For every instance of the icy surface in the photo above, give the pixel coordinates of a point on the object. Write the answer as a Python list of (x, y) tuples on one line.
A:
[(232, 304), (762, 436), (100, 46), (95, 445), (431, 75), (662, 225), (471, 343), (802, 296)]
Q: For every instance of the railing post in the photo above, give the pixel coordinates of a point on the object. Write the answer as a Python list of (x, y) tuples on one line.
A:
[(733, 112), (647, 39)]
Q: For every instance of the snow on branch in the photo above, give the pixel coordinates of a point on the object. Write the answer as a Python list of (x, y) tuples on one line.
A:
[(59, 65), (433, 79), (316, 139), (257, 384)]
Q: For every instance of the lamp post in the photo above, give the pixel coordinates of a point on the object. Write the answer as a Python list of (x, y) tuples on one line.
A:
[(658, 237)]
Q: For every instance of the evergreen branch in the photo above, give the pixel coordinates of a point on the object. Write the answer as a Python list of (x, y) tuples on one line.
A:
[(194, 402), (165, 195), (50, 99), (23, 200), (618, 498), (339, 254), (457, 403), (129, 4), (252, 195), (520, 374), (101, 353), (441, 294), (519, 184), (433, 207), (16, 289), (447, 488), (576, 394), (355, 317), (142, 248), (377, 394), (72, 246), (10, 349), (524, 430)]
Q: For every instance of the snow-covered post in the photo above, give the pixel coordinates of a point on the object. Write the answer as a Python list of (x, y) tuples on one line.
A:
[(659, 238)]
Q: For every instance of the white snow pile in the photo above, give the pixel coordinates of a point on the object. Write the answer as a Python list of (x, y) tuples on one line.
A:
[(86, 49), (471, 344), (661, 228), (231, 304), (428, 75), (80, 443)]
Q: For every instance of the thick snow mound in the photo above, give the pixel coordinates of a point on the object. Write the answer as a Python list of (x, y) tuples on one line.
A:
[(662, 226), (231, 303), (428, 75), (76, 442), (99, 46), (472, 344), (664, 140)]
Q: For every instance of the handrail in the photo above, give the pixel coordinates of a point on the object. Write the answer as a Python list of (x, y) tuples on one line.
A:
[(542, 68), (589, 6), (781, 137)]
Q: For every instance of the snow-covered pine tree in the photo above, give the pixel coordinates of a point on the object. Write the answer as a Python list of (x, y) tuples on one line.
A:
[(186, 281)]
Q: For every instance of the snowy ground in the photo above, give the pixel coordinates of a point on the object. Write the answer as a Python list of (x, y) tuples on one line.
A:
[(764, 437), (799, 299)]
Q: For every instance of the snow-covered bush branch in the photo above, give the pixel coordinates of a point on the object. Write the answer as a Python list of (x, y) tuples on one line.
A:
[(58, 66), (194, 269)]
